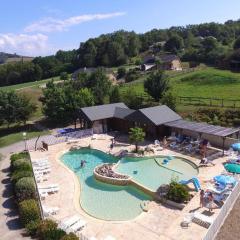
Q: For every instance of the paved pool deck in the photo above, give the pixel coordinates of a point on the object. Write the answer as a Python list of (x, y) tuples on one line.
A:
[(160, 222)]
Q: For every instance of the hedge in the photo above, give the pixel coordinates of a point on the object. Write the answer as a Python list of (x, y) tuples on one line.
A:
[(16, 156), (70, 236), (47, 230), (21, 165), (18, 174), (32, 227), (29, 211), (25, 189)]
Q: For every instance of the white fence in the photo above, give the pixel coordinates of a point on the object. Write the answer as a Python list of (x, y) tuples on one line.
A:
[(226, 208)]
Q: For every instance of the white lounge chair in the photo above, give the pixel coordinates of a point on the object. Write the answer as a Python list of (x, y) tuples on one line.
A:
[(41, 178), (39, 168), (76, 226), (44, 164), (43, 195), (44, 171), (48, 186), (49, 190), (202, 219), (64, 225), (47, 211)]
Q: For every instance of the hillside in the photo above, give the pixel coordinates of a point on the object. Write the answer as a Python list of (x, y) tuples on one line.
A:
[(12, 58)]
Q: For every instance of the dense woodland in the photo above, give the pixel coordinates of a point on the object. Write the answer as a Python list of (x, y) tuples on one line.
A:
[(210, 43)]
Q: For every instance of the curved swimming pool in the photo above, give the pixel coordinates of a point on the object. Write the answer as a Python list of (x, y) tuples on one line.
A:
[(118, 203)]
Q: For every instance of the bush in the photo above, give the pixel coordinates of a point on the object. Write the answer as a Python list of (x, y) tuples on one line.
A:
[(22, 165), (29, 211), (18, 174), (70, 236), (121, 72), (25, 189), (32, 227), (17, 156), (132, 75), (170, 100), (48, 230), (178, 192)]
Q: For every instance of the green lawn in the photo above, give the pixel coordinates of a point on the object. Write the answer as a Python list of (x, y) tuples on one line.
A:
[(208, 82), (28, 84), (14, 134)]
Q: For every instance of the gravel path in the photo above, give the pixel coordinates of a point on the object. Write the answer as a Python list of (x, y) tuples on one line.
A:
[(10, 227)]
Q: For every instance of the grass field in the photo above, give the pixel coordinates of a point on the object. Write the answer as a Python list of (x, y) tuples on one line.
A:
[(208, 82), (14, 134), (28, 84)]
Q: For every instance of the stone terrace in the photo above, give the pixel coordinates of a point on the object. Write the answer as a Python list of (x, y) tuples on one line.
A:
[(160, 222)]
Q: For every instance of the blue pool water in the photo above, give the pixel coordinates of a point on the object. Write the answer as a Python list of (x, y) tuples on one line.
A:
[(110, 202)]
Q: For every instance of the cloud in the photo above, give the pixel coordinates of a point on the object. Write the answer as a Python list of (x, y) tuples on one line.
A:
[(25, 44), (57, 25)]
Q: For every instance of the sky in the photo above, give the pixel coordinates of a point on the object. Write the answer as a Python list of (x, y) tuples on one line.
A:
[(40, 28)]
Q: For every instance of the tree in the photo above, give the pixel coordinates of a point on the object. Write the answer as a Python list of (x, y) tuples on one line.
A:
[(236, 44), (61, 103), (170, 100), (15, 108), (132, 99), (64, 76), (76, 99), (156, 85), (136, 135), (114, 96), (174, 44), (99, 84), (121, 72)]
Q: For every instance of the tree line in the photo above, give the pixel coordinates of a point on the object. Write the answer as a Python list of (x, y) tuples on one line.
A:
[(210, 43)]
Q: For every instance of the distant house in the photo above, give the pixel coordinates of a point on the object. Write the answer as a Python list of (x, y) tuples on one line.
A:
[(167, 62)]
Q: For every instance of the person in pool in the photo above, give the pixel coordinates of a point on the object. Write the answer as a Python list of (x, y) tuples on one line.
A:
[(83, 162)]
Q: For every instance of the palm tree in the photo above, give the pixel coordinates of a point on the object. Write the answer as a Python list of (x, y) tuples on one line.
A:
[(136, 135)]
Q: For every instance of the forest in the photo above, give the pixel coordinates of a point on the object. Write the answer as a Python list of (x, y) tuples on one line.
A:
[(214, 44)]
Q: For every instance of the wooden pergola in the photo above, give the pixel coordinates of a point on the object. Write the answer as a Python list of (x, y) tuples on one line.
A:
[(204, 128)]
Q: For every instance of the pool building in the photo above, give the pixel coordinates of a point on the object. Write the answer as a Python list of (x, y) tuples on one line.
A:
[(157, 122)]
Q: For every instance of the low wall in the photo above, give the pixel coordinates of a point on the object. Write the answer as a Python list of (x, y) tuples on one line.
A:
[(109, 180), (123, 182)]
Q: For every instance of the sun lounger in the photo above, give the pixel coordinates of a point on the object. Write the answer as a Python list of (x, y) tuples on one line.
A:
[(49, 190), (44, 171), (43, 195), (76, 226), (217, 191), (64, 225), (48, 186), (41, 178), (47, 211), (202, 219), (41, 164)]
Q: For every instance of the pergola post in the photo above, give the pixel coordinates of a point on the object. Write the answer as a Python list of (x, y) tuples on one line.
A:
[(223, 146)]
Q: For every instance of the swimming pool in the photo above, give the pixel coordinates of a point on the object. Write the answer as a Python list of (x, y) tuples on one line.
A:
[(118, 203)]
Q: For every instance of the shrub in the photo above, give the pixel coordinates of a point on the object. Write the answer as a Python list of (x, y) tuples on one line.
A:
[(32, 227), (29, 211), (17, 156), (48, 230), (121, 72), (25, 189), (178, 192), (70, 236), (22, 165), (18, 174)]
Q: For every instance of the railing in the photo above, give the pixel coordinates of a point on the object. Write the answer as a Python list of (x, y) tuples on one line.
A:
[(226, 208), (52, 140), (210, 102)]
